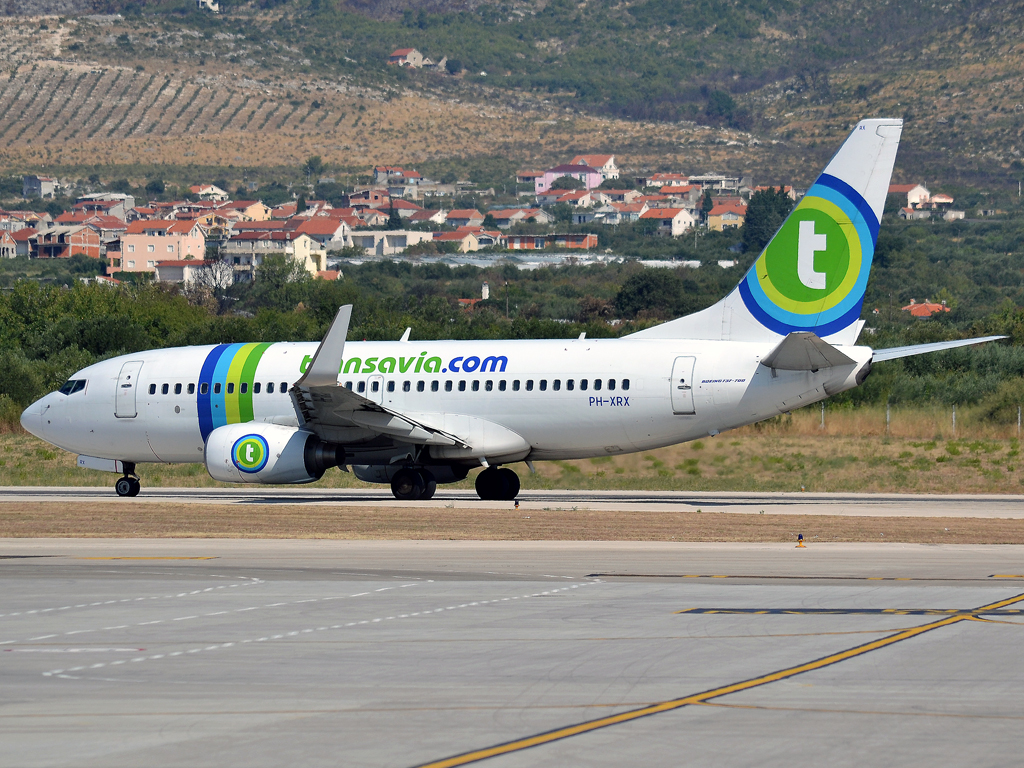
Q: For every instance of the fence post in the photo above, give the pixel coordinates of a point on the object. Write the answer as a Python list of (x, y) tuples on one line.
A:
[(954, 421), (823, 416), (1018, 422), (887, 418)]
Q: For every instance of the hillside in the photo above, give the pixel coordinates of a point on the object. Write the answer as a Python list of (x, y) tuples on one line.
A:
[(715, 84)]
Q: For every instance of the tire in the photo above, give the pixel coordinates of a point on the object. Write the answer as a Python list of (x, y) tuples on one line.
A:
[(509, 484), (487, 484), (124, 487), (429, 488), (136, 486), (407, 485)]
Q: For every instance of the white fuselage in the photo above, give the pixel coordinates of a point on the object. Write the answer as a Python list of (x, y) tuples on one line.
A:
[(566, 398)]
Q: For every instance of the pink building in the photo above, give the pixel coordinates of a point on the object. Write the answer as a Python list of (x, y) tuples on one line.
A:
[(590, 177), (147, 243)]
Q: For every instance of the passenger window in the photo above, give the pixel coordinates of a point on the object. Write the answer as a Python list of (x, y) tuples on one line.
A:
[(611, 384), (164, 389), (406, 386), (583, 385), (361, 387), (270, 388), (231, 387), (375, 386), (391, 386), (177, 389), (597, 384), (556, 385), (152, 389), (543, 385), (489, 385), (434, 386), (501, 385), (216, 388), (284, 387), (420, 386), (256, 386), (529, 385), (245, 387), (515, 385), (204, 388), (192, 388), (476, 385), (570, 384), (462, 386), (447, 386), (348, 385), (625, 383)]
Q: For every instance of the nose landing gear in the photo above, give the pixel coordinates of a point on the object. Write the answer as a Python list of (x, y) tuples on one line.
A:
[(128, 485)]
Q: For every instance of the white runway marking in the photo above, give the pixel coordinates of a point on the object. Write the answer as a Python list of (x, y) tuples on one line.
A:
[(64, 673), (249, 581)]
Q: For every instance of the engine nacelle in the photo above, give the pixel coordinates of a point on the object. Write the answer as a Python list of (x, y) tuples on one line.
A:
[(268, 453)]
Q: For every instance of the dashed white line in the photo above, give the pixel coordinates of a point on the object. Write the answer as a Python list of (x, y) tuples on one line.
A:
[(62, 672)]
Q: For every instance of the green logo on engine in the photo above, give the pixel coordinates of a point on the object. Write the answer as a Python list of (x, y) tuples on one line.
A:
[(250, 453)]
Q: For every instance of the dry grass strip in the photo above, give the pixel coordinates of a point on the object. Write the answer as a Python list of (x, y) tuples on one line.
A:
[(127, 518)]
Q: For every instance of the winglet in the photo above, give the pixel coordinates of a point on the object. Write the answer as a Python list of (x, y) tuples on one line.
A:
[(323, 369)]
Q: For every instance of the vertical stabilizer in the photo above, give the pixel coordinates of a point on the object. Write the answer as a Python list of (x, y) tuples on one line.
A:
[(813, 273)]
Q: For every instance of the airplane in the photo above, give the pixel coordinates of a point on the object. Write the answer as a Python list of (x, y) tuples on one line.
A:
[(415, 414)]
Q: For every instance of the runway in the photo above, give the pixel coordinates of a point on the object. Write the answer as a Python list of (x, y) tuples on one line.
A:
[(846, 504), (363, 653)]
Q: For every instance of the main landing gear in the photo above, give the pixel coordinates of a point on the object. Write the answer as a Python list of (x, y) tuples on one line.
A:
[(128, 485), (497, 484), (413, 485)]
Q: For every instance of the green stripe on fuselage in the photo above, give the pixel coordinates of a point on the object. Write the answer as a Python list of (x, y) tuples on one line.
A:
[(245, 411)]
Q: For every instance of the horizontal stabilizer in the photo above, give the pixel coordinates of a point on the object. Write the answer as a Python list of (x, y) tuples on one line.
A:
[(919, 349), (804, 351)]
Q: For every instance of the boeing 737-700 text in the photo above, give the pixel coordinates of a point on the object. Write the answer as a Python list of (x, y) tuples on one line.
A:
[(417, 414)]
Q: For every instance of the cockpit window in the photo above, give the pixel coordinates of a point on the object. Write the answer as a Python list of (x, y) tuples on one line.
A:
[(71, 386)]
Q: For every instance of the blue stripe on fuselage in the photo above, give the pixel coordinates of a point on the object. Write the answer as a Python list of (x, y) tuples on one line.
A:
[(204, 401)]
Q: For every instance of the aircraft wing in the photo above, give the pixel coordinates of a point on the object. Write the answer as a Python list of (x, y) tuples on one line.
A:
[(324, 407), (892, 353)]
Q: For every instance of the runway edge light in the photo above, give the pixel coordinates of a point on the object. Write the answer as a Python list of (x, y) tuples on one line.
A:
[(800, 541)]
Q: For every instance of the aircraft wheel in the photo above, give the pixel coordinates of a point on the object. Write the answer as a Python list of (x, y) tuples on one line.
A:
[(429, 486), (509, 484), (127, 486), (407, 485), (488, 484)]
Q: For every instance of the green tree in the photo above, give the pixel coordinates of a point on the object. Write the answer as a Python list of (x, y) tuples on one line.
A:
[(706, 205), (313, 167), (300, 204), (394, 218), (567, 182), (766, 211), (654, 292)]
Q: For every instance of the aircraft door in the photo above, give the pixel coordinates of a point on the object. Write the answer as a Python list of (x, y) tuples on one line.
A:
[(127, 386), (375, 389), (682, 385)]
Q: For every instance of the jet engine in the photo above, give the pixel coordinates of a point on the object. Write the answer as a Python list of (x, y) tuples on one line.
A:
[(268, 453)]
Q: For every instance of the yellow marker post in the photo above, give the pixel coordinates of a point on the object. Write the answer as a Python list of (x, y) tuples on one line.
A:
[(800, 541)]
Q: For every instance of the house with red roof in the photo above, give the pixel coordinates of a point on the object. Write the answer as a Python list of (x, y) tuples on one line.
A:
[(579, 198), (617, 195), (672, 222), (183, 271), (915, 195), (8, 248), (144, 243), (325, 230), (466, 217), (727, 214), (925, 308), (63, 242), (604, 164), (209, 192), (24, 239), (428, 217), (660, 179), (249, 210), (406, 57), (245, 251)]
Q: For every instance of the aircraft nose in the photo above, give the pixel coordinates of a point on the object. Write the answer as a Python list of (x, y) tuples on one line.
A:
[(32, 418)]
